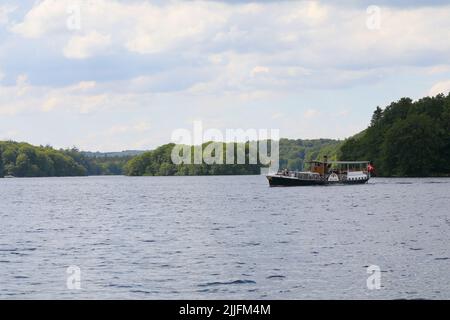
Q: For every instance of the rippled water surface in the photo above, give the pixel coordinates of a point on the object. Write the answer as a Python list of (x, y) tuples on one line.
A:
[(223, 237)]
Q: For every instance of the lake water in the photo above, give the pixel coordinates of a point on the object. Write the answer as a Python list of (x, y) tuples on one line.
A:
[(223, 238)]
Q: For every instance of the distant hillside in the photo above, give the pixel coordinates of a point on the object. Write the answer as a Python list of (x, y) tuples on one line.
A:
[(126, 153), (293, 153), (158, 162), (21, 159), (406, 138), (24, 160)]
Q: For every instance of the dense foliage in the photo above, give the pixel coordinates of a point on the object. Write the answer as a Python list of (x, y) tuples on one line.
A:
[(406, 138), (293, 153), (159, 163), (21, 159)]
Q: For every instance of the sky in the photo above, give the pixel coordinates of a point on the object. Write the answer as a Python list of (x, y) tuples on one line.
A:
[(111, 75)]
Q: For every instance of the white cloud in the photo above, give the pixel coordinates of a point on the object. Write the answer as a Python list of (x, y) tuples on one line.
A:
[(16, 98), (259, 69), (45, 17), (141, 126), (440, 87), (22, 84), (438, 69), (157, 29), (67, 98), (92, 103), (248, 46), (26, 98), (50, 104), (311, 113), (140, 27), (224, 58), (313, 34), (81, 47), (5, 11), (278, 115), (85, 85), (309, 13)]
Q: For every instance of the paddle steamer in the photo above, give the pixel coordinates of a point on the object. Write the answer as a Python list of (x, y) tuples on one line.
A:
[(324, 173)]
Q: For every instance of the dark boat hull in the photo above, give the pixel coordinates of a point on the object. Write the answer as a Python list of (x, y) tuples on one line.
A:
[(281, 181), (275, 181)]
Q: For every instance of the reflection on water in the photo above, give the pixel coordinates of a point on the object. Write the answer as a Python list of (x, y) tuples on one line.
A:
[(223, 237)]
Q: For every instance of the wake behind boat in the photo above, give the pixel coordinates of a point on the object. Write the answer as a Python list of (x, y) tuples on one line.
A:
[(324, 173)]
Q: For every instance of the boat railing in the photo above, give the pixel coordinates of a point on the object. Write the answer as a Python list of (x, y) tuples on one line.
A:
[(300, 175)]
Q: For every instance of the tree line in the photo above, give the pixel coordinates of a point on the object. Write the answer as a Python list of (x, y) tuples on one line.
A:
[(293, 154), (21, 159), (407, 138)]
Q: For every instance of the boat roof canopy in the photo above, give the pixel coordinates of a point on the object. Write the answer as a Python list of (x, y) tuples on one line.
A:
[(340, 162)]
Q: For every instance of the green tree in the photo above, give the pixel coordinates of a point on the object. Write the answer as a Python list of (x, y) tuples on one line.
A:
[(410, 147), (406, 138)]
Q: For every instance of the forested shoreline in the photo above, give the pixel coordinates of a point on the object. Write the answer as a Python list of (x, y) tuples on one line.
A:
[(20, 159), (407, 138), (293, 154)]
